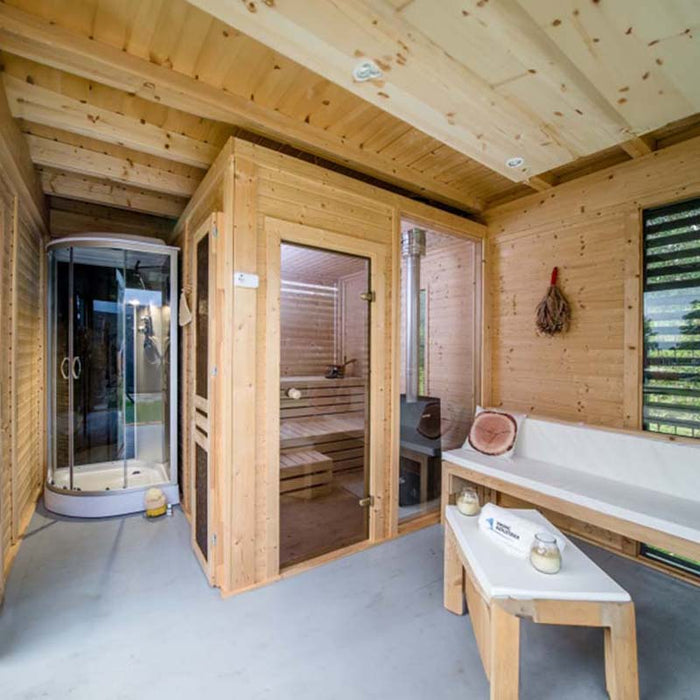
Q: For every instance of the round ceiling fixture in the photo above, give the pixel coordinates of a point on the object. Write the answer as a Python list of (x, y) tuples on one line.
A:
[(366, 70), (515, 162)]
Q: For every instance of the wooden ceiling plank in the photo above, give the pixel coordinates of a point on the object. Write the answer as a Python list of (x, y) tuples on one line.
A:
[(88, 189), (609, 43), (421, 83), (43, 106), (82, 161), (547, 82), (34, 38)]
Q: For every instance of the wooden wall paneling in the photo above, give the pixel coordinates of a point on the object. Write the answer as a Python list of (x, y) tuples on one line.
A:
[(69, 216), (14, 381), (242, 354), (633, 338), (591, 229)]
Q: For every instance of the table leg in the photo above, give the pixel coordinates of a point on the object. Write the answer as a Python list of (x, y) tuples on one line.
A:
[(504, 654), (454, 575), (621, 676)]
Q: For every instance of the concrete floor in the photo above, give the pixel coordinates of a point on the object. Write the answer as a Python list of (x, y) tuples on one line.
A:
[(118, 608)]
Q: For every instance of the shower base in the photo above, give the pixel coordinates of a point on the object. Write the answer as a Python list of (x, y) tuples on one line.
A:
[(98, 489)]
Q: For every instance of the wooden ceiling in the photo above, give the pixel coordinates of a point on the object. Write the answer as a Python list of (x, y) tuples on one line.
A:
[(125, 103)]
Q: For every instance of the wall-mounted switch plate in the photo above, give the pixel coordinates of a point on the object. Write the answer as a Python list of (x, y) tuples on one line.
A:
[(245, 279)]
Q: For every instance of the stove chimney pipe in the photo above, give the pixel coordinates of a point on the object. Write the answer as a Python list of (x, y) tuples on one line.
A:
[(412, 249)]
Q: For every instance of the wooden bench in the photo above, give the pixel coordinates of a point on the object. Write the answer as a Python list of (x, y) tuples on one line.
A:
[(307, 474), (617, 489), (501, 589), (329, 417)]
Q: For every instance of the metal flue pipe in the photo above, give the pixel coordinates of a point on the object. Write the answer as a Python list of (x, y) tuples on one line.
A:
[(412, 249)]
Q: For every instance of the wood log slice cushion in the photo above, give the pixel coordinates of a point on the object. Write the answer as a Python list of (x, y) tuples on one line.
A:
[(493, 433)]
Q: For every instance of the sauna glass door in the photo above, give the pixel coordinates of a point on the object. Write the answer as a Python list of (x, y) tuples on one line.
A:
[(325, 306)]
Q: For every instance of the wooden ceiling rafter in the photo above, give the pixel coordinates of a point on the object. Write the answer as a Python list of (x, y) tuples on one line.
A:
[(36, 39), (67, 185)]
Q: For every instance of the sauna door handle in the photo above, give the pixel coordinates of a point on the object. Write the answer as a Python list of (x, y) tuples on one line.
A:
[(64, 367), (77, 368)]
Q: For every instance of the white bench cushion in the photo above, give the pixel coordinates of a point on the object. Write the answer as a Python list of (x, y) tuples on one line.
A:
[(660, 511), (502, 575)]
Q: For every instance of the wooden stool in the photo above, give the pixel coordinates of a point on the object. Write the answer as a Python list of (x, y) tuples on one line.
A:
[(307, 474), (500, 589)]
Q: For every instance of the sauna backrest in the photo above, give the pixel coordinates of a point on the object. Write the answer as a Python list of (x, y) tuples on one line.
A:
[(321, 397), (644, 461)]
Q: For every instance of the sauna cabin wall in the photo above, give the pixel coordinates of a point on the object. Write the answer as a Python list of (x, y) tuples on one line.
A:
[(591, 229), (251, 186)]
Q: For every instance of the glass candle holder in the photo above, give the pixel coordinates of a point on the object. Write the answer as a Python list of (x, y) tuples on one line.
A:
[(468, 501), (544, 554)]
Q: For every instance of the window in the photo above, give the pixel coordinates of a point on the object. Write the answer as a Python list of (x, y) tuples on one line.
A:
[(671, 384)]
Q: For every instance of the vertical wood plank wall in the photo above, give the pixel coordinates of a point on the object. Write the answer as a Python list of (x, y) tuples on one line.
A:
[(263, 185), (22, 271), (591, 229)]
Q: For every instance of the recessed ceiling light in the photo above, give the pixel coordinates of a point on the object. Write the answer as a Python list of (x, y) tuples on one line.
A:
[(515, 162), (366, 70)]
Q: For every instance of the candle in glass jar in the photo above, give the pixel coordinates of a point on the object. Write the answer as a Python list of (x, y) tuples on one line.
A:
[(468, 502), (544, 554)]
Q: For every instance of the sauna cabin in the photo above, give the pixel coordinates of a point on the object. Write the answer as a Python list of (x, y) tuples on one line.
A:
[(306, 304)]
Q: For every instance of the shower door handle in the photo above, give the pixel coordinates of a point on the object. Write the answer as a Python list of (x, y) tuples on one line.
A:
[(77, 368), (64, 367)]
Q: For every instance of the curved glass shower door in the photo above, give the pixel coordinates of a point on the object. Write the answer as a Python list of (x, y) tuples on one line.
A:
[(109, 333)]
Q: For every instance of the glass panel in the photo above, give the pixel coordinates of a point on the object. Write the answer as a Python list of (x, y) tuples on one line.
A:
[(324, 353), (446, 338), (59, 314), (96, 369), (147, 342), (202, 319)]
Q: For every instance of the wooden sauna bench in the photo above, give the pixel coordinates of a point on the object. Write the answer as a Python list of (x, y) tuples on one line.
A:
[(328, 418)]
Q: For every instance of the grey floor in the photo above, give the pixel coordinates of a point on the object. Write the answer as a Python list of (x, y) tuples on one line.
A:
[(118, 608)]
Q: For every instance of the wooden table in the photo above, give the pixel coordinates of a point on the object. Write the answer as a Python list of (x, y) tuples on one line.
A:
[(501, 588)]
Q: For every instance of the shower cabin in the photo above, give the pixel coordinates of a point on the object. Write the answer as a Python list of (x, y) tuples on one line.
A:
[(111, 375)]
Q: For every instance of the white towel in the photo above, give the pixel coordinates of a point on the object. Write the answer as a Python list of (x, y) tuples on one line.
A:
[(512, 531)]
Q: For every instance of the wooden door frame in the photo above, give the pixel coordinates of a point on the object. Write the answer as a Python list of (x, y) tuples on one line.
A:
[(379, 255), (198, 427)]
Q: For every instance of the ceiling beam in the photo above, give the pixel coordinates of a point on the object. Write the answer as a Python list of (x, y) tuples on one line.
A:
[(31, 37), (37, 104), (83, 161), (548, 115), (90, 189)]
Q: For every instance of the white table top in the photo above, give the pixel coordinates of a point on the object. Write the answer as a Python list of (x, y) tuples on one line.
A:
[(502, 575)]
